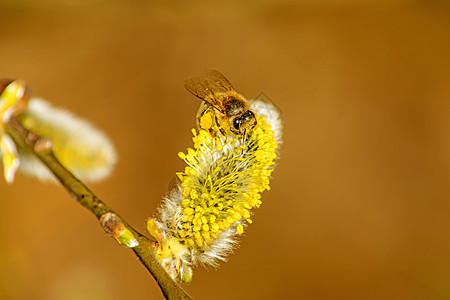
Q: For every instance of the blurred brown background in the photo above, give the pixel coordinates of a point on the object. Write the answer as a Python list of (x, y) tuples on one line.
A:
[(360, 199)]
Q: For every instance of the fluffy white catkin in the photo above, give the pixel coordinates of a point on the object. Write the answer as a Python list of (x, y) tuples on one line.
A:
[(199, 222), (80, 147)]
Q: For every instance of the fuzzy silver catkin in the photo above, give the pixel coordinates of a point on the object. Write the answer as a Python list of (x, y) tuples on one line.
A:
[(81, 148), (241, 168)]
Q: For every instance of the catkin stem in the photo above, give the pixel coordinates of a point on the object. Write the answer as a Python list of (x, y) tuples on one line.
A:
[(41, 147)]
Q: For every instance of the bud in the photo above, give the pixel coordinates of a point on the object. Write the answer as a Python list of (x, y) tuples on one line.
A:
[(13, 100), (114, 226)]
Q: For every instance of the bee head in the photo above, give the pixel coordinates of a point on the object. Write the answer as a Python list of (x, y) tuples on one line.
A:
[(244, 122)]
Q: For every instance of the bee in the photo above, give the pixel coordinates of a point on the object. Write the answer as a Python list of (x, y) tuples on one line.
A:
[(221, 105)]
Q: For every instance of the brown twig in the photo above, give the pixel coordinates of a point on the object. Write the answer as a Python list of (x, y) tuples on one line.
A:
[(42, 148)]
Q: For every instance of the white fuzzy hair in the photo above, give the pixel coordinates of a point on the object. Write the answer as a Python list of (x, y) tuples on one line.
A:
[(79, 140), (272, 116)]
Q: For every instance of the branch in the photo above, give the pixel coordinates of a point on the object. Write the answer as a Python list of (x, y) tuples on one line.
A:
[(110, 221)]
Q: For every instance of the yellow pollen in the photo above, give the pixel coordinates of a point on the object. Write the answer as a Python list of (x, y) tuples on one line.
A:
[(206, 121), (185, 202), (240, 229), (188, 211), (215, 227), (181, 155), (194, 194), (206, 236)]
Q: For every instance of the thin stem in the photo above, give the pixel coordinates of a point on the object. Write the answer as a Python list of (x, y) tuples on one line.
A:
[(42, 148)]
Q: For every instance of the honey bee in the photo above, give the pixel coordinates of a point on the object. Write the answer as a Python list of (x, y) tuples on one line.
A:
[(221, 105)]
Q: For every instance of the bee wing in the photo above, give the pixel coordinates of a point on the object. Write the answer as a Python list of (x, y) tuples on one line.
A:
[(221, 82), (209, 88)]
